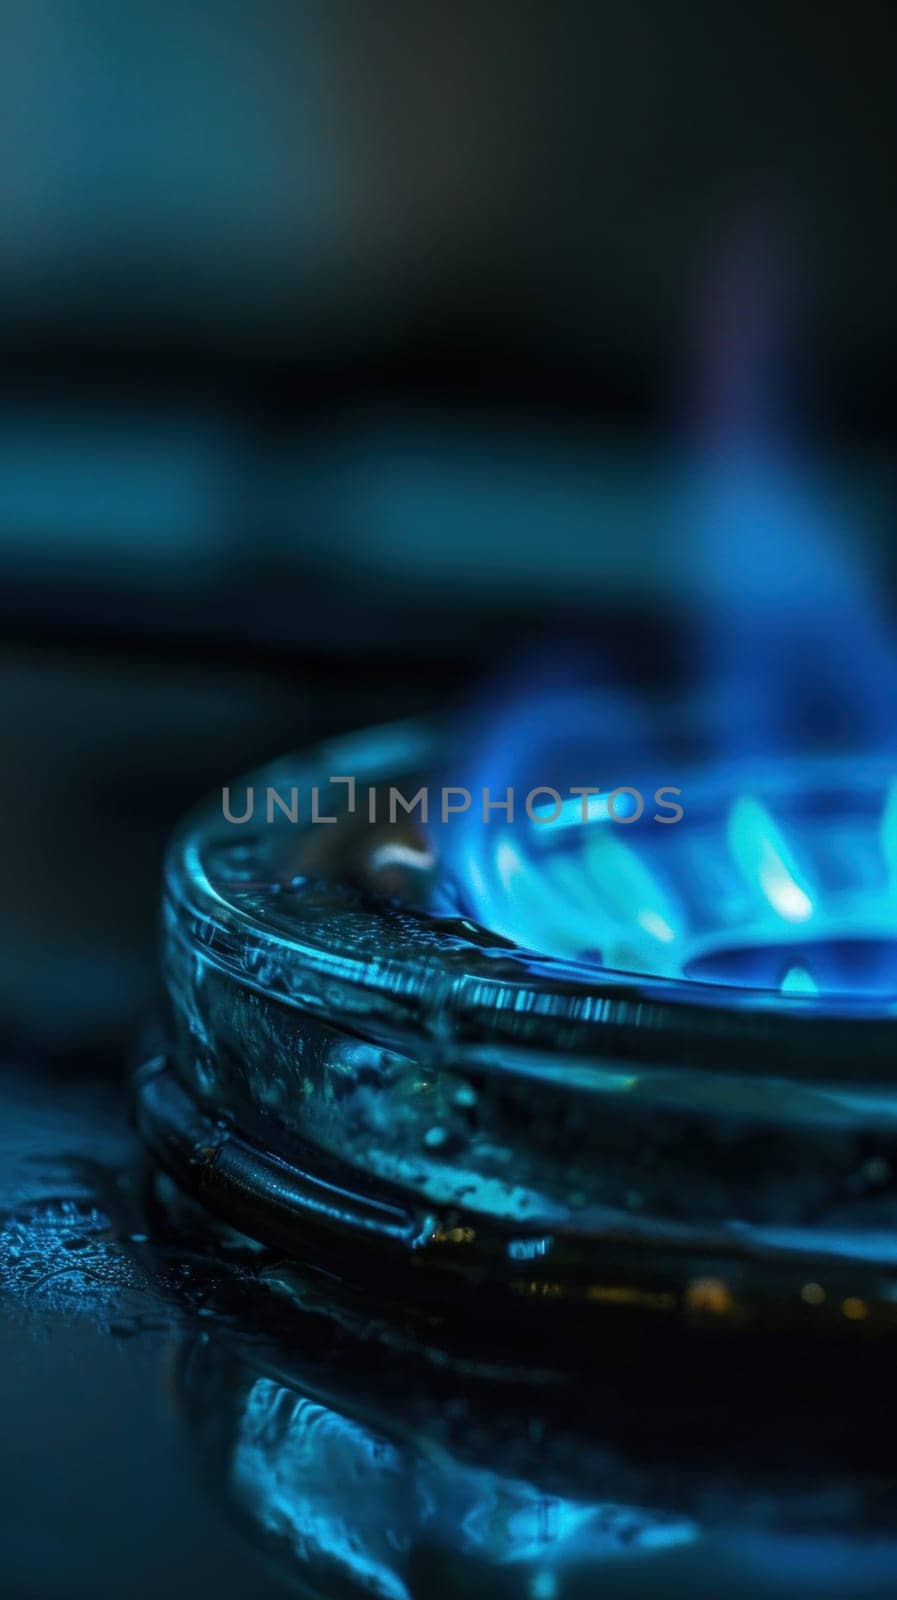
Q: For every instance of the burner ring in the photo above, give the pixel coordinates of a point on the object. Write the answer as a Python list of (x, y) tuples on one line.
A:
[(516, 1122)]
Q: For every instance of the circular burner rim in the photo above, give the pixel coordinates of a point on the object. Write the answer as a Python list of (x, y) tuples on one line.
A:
[(452, 976)]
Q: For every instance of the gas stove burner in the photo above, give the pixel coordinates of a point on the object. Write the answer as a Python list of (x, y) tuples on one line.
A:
[(635, 1071)]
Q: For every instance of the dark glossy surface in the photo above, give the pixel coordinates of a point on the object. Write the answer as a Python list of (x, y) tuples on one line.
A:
[(186, 1414)]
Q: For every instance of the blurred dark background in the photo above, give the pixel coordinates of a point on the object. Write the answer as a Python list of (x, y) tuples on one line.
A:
[(343, 349)]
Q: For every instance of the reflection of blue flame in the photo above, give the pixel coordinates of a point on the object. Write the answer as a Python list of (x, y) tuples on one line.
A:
[(353, 1505)]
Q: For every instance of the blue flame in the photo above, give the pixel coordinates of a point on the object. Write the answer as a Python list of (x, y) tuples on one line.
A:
[(779, 880), (781, 876)]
